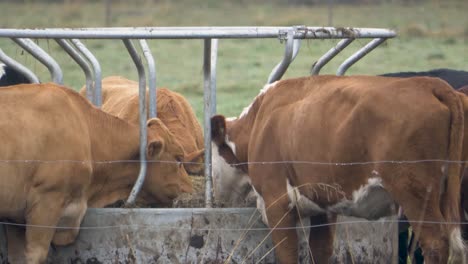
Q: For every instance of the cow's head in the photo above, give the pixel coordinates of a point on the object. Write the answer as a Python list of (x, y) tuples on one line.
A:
[(166, 177), (231, 183)]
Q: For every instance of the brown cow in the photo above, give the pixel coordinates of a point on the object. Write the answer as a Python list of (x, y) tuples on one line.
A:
[(60, 155), (464, 186), (325, 145), (120, 98)]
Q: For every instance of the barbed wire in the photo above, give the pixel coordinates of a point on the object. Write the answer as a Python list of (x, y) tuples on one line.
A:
[(246, 163), (229, 229)]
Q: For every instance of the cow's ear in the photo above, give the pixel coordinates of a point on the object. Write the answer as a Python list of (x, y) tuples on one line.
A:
[(194, 156), (155, 148), (155, 123), (218, 129)]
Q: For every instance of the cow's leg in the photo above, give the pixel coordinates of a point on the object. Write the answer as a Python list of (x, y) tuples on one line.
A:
[(464, 210), (321, 236), (433, 237), (72, 216), (418, 255), (43, 215), (15, 244), (434, 249), (283, 222), (403, 236), (403, 246)]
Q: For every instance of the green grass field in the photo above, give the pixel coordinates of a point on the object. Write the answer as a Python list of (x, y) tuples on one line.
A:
[(432, 34)]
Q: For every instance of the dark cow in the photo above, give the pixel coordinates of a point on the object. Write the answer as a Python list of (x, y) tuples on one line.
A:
[(457, 79), (9, 76), (291, 140)]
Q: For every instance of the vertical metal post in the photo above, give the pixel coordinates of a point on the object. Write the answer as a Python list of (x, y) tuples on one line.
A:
[(151, 78), (207, 120), (82, 63), (143, 133), (97, 94), (214, 61), (18, 67), (42, 56)]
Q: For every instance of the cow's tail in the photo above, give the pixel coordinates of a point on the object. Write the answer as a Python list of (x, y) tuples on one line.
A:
[(451, 204)]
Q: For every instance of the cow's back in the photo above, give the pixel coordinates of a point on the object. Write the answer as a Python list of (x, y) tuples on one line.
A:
[(455, 78), (36, 122)]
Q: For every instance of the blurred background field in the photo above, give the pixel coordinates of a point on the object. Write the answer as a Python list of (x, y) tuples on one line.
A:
[(431, 34)]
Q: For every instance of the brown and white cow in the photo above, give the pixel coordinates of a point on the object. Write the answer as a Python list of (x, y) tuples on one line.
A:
[(464, 184), (120, 98), (60, 155), (458, 80), (325, 145)]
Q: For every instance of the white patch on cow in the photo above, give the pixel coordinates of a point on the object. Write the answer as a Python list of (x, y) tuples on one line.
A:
[(363, 191), (262, 91), (232, 118), (457, 247), (261, 206), (443, 169), (2, 70), (231, 144), (73, 210), (303, 204), (230, 184)]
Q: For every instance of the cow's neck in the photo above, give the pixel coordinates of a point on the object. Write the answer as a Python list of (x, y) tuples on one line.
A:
[(239, 130), (112, 140)]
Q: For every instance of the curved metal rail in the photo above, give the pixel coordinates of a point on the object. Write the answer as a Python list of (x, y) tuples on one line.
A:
[(97, 94), (42, 56), (358, 55), (76, 56), (18, 67), (290, 52), (151, 78), (143, 132), (329, 55)]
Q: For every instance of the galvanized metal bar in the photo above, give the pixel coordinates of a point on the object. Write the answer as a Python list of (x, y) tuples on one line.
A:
[(359, 54), (329, 55), (151, 78), (207, 98), (76, 56), (195, 33), (214, 61), (42, 56), (281, 67), (143, 132), (18, 67), (97, 94)]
